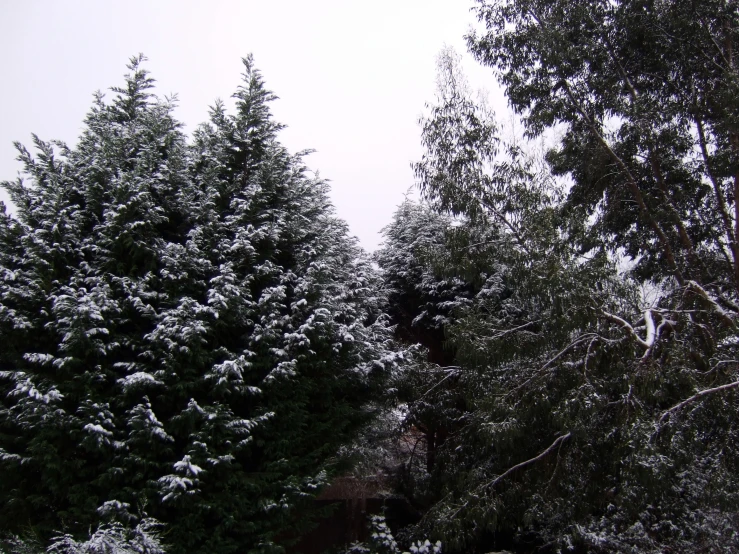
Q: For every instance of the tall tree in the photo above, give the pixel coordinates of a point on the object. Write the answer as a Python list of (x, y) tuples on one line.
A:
[(194, 333), (600, 415), (425, 290)]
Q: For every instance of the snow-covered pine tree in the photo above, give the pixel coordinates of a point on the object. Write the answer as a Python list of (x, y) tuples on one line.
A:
[(424, 286), (427, 287), (194, 333)]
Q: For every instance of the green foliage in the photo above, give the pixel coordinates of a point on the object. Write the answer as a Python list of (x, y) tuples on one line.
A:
[(382, 542), (648, 134), (110, 538), (597, 399), (192, 333)]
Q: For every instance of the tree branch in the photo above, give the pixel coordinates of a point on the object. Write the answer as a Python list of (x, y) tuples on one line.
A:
[(700, 291), (696, 396), (539, 371), (720, 200), (632, 184), (629, 329), (522, 465)]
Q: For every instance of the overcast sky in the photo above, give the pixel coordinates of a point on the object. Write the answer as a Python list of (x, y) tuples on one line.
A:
[(352, 76)]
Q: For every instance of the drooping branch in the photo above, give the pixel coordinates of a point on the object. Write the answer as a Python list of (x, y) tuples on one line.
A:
[(697, 396), (628, 328), (533, 460)]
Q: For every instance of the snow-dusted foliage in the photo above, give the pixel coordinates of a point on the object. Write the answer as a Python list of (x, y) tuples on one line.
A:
[(428, 287), (422, 297), (596, 417), (113, 538), (109, 538), (185, 326), (381, 541)]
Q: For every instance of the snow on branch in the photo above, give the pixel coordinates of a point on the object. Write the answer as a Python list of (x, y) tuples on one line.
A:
[(697, 396), (629, 329), (650, 328), (559, 440), (700, 291)]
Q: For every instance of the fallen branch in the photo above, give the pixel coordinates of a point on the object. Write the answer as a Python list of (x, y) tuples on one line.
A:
[(696, 397), (522, 465)]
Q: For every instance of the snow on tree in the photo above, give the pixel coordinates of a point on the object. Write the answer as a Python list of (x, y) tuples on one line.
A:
[(600, 418), (192, 331), (381, 541), (109, 538), (422, 298), (426, 290)]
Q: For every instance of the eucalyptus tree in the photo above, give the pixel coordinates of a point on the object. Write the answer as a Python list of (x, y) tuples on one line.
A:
[(602, 417)]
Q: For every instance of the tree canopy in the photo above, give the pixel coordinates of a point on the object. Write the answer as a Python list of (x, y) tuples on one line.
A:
[(598, 362), (190, 332), (549, 335)]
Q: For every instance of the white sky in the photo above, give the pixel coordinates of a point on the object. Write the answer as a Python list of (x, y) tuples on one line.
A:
[(352, 77)]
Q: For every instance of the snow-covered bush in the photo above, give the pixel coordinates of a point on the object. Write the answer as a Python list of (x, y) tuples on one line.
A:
[(381, 541), (109, 538)]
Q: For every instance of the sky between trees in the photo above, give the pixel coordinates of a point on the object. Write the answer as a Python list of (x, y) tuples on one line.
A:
[(352, 77)]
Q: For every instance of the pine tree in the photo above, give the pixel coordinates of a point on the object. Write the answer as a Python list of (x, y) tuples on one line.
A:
[(422, 301), (194, 332), (422, 298)]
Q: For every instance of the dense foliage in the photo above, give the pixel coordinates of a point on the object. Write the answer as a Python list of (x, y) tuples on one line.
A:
[(599, 394), (188, 331), (190, 335)]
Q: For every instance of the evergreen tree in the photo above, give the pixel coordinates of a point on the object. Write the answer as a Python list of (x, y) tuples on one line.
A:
[(422, 299), (193, 332), (422, 303)]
